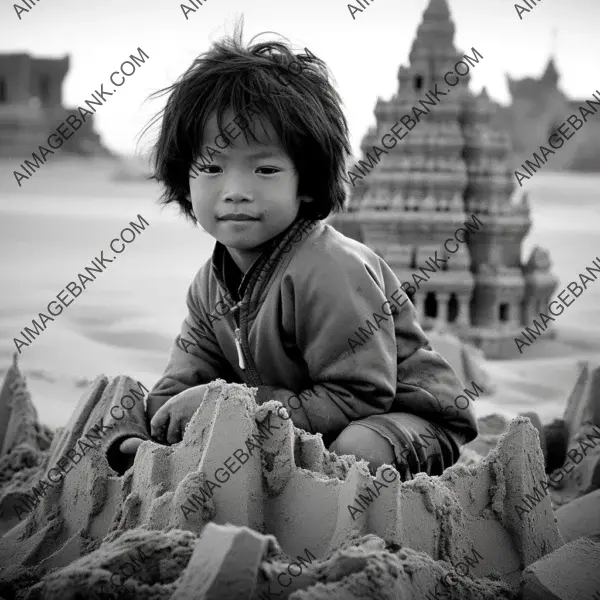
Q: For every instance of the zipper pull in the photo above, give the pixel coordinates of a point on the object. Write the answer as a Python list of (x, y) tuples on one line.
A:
[(238, 345)]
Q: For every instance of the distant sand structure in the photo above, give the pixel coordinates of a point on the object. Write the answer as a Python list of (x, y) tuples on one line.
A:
[(31, 107), (452, 167), (538, 107)]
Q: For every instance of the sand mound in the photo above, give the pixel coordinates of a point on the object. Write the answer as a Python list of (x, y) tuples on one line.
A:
[(546, 579), (223, 514), (573, 442)]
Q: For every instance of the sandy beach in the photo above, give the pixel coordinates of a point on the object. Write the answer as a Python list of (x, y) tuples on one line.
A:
[(122, 326), (124, 323)]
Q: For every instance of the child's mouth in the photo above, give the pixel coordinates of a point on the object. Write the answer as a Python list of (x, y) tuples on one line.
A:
[(237, 217)]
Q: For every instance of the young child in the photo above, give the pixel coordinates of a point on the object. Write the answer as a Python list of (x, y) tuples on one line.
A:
[(253, 151)]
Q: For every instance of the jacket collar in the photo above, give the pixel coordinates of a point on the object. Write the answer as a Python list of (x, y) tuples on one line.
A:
[(266, 262)]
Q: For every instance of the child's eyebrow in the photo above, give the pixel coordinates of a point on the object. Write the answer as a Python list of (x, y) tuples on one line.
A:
[(264, 153)]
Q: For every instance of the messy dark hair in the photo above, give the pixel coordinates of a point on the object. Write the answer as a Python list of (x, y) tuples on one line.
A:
[(304, 110)]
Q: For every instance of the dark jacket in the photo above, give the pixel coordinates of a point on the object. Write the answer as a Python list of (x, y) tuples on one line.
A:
[(323, 315)]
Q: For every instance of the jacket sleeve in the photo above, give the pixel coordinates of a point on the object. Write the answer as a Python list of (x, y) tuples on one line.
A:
[(357, 330), (196, 357)]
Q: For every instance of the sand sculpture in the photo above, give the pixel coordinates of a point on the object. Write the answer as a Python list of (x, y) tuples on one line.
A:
[(167, 529), (574, 440), (454, 166)]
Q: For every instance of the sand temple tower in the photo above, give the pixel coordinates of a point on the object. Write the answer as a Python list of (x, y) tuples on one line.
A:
[(453, 164)]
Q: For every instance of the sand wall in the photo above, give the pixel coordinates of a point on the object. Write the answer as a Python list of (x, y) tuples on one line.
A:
[(249, 468)]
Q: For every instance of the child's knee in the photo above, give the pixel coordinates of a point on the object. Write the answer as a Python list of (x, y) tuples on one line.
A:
[(365, 444)]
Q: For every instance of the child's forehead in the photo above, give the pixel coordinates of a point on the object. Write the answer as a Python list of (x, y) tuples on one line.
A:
[(241, 130)]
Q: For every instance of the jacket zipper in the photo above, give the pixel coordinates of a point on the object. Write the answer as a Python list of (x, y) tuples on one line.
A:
[(253, 374), (238, 345), (238, 337)]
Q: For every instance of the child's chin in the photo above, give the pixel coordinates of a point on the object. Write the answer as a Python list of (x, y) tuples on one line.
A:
[(242, 241)]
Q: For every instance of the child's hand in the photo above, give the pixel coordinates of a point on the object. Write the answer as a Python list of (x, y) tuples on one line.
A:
[(176, 413), (130, 445)]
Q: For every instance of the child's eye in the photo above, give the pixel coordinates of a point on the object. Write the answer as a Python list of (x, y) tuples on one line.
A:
[(272, 169), (205, 169)]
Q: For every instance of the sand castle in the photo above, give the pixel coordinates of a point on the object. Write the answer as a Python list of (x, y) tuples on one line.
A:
[(173, 526), (454, 166)]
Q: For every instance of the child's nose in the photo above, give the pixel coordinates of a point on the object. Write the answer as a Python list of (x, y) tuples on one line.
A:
[(237, 196), (237, 188)]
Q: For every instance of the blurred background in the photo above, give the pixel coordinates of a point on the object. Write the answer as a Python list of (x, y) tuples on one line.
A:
[(57, 221)]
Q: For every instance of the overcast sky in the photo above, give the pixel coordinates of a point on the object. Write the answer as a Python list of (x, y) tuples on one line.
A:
[(363, 54)]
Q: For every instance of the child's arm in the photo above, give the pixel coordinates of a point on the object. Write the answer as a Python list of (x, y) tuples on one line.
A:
[(355, 373), (190, 363)]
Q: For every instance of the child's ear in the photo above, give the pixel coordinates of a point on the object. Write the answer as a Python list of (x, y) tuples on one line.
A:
[(306, 199)]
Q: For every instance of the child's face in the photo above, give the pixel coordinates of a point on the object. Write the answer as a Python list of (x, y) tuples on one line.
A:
[(254, 178)]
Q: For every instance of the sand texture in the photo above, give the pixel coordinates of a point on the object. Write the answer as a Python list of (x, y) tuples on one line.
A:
[(168, 529), (579, 473), (549, 579)]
